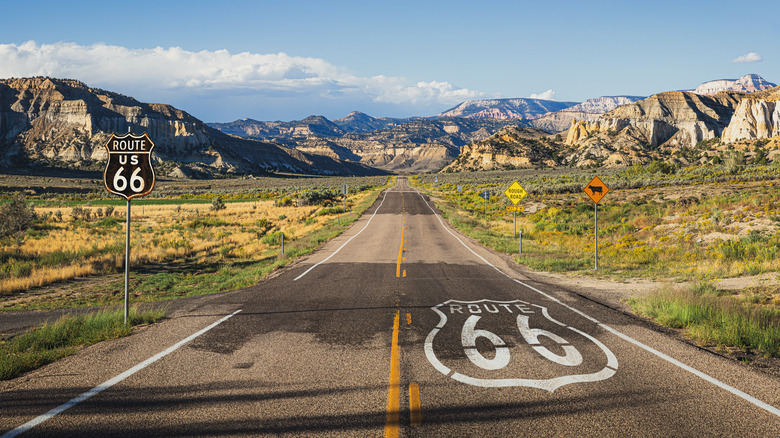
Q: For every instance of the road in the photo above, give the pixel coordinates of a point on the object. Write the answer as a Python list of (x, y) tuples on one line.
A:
[(399, 327)]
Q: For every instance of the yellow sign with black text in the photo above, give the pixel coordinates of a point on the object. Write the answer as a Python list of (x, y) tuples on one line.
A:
[(515, 192)]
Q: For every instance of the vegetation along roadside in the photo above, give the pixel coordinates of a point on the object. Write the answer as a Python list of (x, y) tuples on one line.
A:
[(50, 342), (196, 240), (692, 225)]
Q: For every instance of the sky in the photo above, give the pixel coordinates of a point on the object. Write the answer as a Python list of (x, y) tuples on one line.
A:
[(286, 60)]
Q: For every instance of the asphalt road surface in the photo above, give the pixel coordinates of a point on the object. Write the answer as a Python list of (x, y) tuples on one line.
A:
[(399, 327)]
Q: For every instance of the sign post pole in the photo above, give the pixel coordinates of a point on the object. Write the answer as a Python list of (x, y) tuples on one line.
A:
[(596, 235), (127, 265), (515, 224), (487, 195)]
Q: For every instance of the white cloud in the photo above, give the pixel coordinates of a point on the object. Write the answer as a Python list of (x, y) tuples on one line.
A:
[(749, 57), (547, 95), (172, 69)]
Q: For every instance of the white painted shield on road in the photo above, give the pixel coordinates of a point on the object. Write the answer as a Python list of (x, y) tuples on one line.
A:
[(495, 344)]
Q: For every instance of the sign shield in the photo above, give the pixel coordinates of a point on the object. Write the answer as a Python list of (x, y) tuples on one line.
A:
[(129, 172), (491, 343)]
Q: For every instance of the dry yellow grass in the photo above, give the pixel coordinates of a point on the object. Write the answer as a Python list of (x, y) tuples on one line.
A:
[(159, 234)]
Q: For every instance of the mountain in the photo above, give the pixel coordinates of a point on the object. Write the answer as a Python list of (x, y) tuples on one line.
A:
[(420, 145), (47, 122), (520, 108), (403, 145), (511, 147), (589, 110), (312, 125), (361, 122), (746, 84), (601, 105)]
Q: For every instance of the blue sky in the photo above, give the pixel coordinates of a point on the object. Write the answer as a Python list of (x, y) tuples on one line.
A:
[(283, 60)]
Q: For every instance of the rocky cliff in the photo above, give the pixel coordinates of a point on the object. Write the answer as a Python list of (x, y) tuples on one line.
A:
[(560, 121), (756, 117), (65, 123), (511, 147), (746, 84), (673, 119)]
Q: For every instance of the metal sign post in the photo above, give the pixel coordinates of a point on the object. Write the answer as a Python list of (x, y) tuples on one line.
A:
[(596, 190), (596, 236), (486, 195), (129, 174), (460, 190)]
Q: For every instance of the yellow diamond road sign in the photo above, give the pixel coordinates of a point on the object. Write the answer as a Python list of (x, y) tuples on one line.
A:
[(596, 189), (515, 192)]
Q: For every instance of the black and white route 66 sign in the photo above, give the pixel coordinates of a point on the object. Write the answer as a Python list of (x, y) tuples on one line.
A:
[(129, 171), (492, 343)]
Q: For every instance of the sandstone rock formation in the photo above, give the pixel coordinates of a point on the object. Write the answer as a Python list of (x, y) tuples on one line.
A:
[(511, 147), (675, 119), (757, 116), (560, 121)]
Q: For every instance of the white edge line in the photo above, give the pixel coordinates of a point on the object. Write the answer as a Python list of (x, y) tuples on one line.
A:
[(747, 397), (111, 382), (345, 243), (696, 372)]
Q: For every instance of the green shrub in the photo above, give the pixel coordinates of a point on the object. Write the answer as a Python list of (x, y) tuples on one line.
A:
[(15, 216), (217, 204), (273, 238)]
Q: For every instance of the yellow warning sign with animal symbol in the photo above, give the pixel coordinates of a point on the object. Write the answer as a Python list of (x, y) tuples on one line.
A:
[(596, 190)]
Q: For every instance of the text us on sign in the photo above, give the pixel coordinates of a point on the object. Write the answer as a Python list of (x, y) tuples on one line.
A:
[(129, 171)]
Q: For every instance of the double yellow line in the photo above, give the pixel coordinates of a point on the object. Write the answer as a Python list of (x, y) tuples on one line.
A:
[(392, 424), (393, 420), (401, 255)]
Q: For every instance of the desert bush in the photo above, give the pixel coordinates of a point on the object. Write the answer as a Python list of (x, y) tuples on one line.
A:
[(283, 202), (15, 216), (319, 197), (217, 204)]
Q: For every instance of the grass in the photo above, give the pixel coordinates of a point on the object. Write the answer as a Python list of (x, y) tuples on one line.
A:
[(51, 342), (694, 224), (713, 317), (686, 226), (175, 252)]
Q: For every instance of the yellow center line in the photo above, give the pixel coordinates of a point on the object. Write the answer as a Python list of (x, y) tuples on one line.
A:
[(392, 424), (400, 253), (415, 413)]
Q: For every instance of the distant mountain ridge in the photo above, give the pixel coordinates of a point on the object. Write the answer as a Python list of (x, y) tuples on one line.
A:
[(362, 122), (746, 84), (518, 108), (603, 104)]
